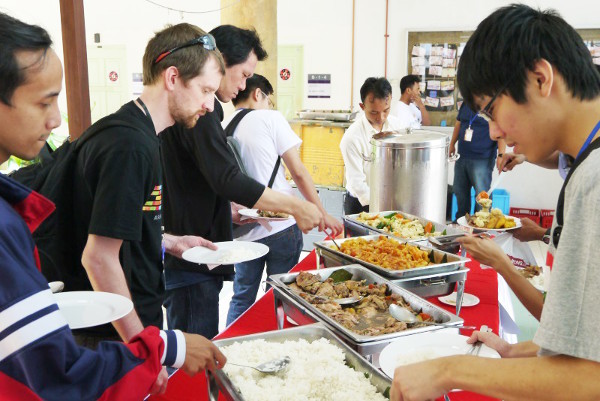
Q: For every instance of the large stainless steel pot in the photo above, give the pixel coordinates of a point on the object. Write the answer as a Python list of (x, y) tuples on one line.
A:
[(409, 172)]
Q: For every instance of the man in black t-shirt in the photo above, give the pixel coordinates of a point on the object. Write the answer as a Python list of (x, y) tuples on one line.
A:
[(118, 181), (201, 176)]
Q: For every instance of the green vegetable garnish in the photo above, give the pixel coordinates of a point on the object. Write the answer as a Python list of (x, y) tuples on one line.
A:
[(366, 375), (381, 225), (340, 275), (386, 393), (389, 216), (444, 232)]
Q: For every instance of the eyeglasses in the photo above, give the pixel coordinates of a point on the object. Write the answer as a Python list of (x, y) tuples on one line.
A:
[(485, 112), (271, 104), (207, 41)]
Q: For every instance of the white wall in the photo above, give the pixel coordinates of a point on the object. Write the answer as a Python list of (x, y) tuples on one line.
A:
[(324, 27)]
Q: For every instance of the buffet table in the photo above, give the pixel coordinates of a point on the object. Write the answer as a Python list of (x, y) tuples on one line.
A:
[(261, 317)]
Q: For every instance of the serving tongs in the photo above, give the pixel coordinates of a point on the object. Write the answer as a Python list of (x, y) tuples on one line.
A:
[(447, 240)]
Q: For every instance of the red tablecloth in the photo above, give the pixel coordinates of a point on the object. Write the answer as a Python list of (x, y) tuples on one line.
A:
[(261, 317)]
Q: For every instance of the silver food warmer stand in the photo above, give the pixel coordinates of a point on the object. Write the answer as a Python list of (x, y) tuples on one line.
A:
[(290, 303), (219, 381), (448, 274)]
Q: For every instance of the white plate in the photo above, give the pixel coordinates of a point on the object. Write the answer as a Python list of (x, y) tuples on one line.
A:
[(468, 299), (91, 308), (229, 252), (463, 222), (253, 213), (425, 346)]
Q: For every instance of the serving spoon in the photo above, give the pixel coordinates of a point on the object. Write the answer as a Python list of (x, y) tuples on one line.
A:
[(404, 315), (270, 367)]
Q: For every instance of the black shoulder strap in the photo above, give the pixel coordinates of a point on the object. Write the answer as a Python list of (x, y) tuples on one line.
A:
[(561, 198), (230, 129), (274, 173), (100, 126)]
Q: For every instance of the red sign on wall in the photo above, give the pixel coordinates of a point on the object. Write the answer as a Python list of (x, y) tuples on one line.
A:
[(113, 76), (285, 74)]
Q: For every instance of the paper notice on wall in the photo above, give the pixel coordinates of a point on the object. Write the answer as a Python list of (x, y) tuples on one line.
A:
[(417, 61), (136, 84), (449, 53), (437, 51), (435, 70), (422, 86), (435, 60), (420, 70), (418, 51), (448, 72), (447, 85), (319, 86), (447, 101), (434, 85), (597, 60), (448, 62), (432, 101)]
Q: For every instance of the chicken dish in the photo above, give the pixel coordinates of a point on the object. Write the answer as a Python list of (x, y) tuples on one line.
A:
[(369, 317), (490, 219)]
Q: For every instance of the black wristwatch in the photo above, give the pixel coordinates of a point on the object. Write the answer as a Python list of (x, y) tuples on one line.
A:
[(546, 237)]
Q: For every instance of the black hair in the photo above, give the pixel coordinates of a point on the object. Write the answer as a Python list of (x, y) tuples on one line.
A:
[(16, 36), (379, 87), (510, 41), (252, 83), (236, 44), (408, 81)]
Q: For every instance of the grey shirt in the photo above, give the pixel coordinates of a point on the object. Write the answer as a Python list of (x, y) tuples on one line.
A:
[(570, 319)]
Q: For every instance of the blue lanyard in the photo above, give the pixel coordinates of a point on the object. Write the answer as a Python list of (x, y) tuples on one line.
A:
[(473, 119), (589, 139)]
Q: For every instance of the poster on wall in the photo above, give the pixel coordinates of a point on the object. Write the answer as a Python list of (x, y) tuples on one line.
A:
[(319, 86)]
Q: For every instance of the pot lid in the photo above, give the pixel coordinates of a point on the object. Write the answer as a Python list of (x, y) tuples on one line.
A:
[(416, 139)]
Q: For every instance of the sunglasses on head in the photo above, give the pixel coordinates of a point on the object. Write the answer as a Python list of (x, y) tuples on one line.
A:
[(207, 41)]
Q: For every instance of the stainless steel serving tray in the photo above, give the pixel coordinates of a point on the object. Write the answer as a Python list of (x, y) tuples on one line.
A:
[(220, 380), (368, 344), (454, 262), (331, 115), (438, 226)]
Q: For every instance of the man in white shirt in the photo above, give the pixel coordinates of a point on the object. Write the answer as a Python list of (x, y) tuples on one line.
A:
[(411, 111), (376, 98), (264, 136)]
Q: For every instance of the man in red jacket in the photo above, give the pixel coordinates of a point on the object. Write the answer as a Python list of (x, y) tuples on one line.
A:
[(39, 358)]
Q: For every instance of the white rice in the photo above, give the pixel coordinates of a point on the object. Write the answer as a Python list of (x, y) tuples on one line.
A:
[(236, 255), (317, 372)]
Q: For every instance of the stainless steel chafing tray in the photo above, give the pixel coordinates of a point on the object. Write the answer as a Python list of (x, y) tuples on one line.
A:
[(333, 115), (291, 304), (353, 218), (221, 382), (328, 250)]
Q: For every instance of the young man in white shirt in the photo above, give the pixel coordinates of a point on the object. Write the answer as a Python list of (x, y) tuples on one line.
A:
[(411, 111), (376, 98), (264, 136)]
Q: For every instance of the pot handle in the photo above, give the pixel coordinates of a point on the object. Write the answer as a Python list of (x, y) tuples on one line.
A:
[(453, 158), (367, 158)]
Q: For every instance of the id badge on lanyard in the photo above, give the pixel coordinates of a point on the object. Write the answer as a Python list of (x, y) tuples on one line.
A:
[(469, 131), (469, 134)]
